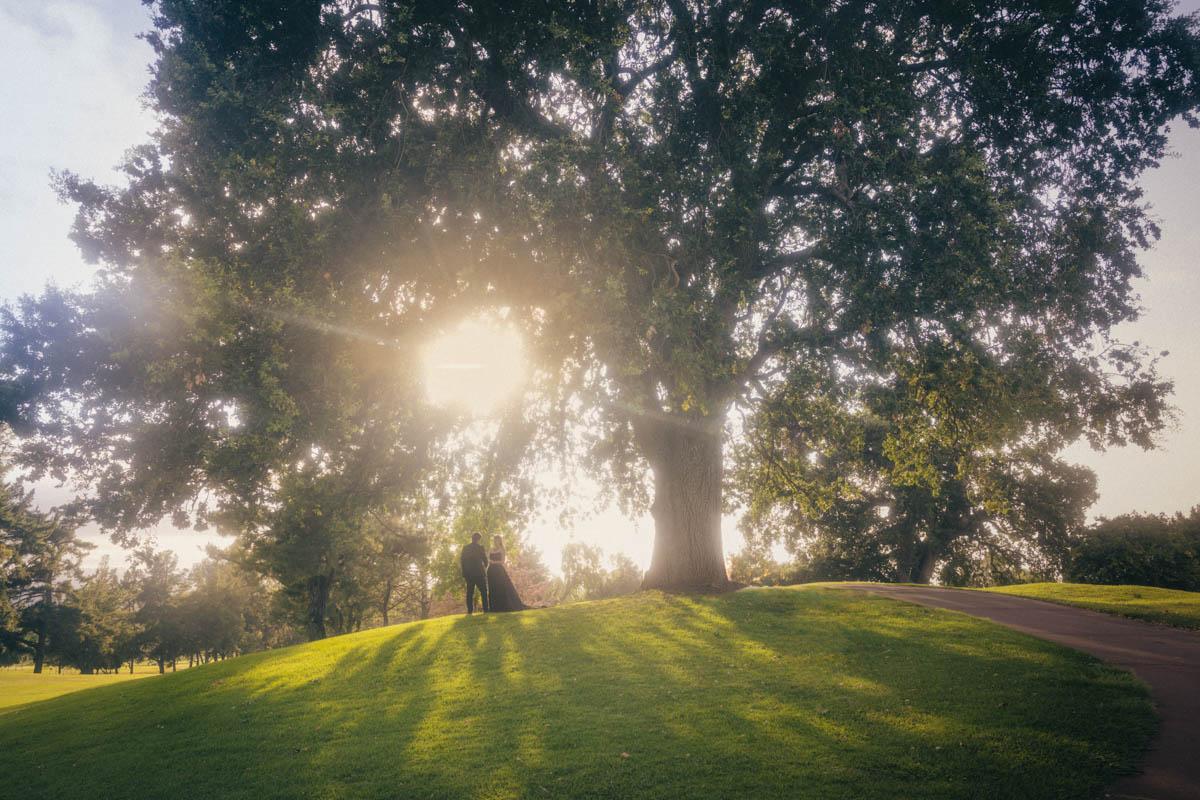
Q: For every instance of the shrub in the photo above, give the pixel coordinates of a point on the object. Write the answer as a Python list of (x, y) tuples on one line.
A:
[(1147, 550)]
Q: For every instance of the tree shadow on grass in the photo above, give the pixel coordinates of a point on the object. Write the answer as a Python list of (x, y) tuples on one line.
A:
[(986, 699)]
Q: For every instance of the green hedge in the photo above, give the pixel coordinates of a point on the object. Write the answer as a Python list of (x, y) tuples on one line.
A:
[(1148, 550)]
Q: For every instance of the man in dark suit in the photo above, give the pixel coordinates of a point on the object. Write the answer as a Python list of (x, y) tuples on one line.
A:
[(474, 563)]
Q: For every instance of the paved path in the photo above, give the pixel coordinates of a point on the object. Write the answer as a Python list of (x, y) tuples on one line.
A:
[(1168, 659)]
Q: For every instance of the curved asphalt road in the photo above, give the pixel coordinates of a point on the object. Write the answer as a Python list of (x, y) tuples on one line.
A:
[(1168, 659)]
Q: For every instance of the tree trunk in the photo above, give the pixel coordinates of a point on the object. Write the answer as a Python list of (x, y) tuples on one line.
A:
[(39, 649), (385, 603), (131, 666), (686, 459), (162, 666), (318, 602), (425, 599), (922, 570)]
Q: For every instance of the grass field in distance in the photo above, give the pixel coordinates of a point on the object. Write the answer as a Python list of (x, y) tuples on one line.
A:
[(19, 685)]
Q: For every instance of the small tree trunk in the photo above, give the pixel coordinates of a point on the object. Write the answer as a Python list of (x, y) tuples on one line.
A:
[(162, 665), (385, 602), (318, 602), (425, 597), (39, 650), (131, 666), (922, 570), (686, 459)]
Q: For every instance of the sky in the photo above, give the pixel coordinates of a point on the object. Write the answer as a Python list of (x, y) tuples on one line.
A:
[(74, 74)]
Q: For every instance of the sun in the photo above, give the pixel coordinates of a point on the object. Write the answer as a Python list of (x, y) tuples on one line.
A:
[(477, 366)]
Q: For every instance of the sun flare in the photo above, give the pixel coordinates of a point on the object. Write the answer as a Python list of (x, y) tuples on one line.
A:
[(477, 367)]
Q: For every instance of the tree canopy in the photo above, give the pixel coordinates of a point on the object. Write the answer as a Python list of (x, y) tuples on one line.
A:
[(948, 470), (683, 204)]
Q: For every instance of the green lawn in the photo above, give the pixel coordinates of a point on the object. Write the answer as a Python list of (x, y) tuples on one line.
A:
[(1167, 606), (18, 685), (799, 692)]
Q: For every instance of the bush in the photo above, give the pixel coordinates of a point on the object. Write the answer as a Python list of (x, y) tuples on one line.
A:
[(1146, 550)]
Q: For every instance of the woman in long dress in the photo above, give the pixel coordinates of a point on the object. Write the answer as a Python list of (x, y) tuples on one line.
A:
[(502, 595)]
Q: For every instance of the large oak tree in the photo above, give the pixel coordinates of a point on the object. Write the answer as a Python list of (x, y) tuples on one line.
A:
[(678, 199)]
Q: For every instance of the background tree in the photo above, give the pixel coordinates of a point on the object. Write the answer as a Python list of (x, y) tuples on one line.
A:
[(242, 607), (39, 555), (677, 199), (1140, 549), (949, 466), (322, 544), (586, 578), (755, 565), (217, 614), (102, 628), (583, 573), (391, 571), (155, 583)]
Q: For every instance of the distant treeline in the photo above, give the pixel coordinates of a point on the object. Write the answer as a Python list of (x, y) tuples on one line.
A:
[(1140, 549), (55, 613)]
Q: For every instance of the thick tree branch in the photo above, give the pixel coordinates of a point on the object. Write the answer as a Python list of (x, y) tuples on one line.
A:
[(625, 86)]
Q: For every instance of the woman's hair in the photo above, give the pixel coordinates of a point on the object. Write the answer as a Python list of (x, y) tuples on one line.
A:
[(497, 540)]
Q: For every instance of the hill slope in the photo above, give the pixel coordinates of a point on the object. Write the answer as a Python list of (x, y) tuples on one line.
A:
[(818, 693)]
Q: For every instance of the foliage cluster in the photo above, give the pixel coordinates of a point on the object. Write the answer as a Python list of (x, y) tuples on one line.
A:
[(923, 476), (38, 555), (1141, 549), (585, 577)]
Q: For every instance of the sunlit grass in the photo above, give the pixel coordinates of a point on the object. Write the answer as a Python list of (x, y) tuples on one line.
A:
[(763, 693), (18, 685), (1166, 606)]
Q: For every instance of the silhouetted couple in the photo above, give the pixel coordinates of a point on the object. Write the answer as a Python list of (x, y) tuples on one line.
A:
[(485, 571)]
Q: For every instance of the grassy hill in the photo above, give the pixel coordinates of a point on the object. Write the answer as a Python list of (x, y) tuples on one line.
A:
[(821, 693), (1165, 606)]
